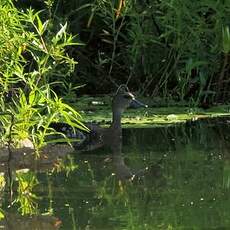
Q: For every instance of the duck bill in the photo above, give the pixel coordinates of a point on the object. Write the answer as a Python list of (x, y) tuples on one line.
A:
[(137, 104)]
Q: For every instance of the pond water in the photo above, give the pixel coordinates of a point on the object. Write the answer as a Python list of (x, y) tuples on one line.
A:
[(182, 181)]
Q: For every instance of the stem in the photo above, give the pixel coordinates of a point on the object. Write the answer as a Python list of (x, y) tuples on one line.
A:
[(116, 33), (41, 38), (221, 78), (10, 153)]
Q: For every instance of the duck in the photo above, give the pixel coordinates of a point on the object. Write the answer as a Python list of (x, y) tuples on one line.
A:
[(97, 136)]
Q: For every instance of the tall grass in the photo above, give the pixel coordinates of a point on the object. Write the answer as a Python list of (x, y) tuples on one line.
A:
[(161, 48)]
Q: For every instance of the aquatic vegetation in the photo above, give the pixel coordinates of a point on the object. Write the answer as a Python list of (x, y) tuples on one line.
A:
[(98, 110)]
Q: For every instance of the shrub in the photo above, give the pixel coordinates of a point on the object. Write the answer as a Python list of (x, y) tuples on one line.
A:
[(33, 57)]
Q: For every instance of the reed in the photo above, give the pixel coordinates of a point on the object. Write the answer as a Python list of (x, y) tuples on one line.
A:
[(172, 49)]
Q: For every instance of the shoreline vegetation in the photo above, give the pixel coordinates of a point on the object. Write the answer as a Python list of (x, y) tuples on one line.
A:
[(33, 60)]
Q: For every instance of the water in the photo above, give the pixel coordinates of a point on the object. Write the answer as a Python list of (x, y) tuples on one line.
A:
[(182, 182)]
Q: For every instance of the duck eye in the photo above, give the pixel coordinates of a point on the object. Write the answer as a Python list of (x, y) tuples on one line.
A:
[(127, 96)]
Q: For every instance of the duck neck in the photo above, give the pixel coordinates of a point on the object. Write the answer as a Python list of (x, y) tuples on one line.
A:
[(116, 122)]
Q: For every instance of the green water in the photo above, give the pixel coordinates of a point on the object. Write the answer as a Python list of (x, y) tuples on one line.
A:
[(182, 182)]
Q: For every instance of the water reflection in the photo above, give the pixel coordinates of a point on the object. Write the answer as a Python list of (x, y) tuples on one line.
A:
[(39, 222), (18, 180), (182, 182)]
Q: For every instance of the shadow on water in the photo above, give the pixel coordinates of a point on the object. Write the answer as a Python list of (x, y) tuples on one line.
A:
[(175, 177)]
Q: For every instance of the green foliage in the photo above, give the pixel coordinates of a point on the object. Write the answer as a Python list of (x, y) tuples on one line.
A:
[(1, 214), (172, 49), (33, 57)]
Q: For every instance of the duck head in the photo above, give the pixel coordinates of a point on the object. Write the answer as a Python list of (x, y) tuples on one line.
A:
[(124, 99)]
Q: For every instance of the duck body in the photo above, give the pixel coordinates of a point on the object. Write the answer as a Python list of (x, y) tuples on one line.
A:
[(81, 140), (97, 136)]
